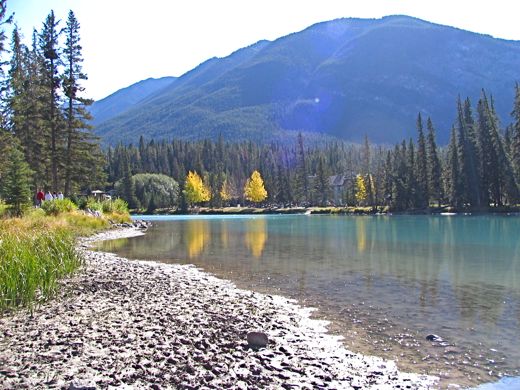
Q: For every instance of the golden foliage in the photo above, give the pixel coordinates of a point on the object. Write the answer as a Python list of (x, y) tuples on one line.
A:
[(195, 190), (361, 189), (254, 190)]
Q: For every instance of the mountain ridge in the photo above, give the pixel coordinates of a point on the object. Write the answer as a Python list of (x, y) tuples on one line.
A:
[(343, 78), (121, 100)]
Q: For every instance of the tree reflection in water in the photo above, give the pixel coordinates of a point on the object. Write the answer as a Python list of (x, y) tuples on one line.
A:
[(255, 236)]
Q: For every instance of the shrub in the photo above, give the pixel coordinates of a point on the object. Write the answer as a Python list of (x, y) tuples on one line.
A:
[(93, 204), (58, 206), (3, 208), (164, 189), (82, 203), (114, 206)]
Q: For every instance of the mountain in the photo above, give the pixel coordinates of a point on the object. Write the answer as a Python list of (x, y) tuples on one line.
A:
[(120, 101), (343, 78)]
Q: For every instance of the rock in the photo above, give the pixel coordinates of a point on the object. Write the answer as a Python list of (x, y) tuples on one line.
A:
[(82, 385), (257, 340), (434, 337)]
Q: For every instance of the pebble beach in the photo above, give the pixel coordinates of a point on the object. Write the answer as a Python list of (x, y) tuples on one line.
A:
[(136, 324)]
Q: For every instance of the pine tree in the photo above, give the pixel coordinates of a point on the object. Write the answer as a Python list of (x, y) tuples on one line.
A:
[(321, 184), (81, 149), (366, 171), (507, 188), (254, 190), (435, 189), (421, 168), (302, 180), (515, 136), (453, 181), (400, 196), (4, 20), (24, 103), (16, 184), (48, 40), (128, 185), (411, 180), (387, 179)]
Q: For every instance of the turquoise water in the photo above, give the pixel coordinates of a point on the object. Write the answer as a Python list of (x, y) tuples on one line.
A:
[(385, 282)]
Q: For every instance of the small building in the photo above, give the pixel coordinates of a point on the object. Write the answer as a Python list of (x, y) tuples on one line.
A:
[(100, 195), (339, 185)]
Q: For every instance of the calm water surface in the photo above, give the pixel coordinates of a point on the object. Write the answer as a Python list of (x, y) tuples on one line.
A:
[(385, 282)]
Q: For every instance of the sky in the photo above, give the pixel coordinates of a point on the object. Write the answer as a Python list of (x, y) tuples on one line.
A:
[(125, 41)]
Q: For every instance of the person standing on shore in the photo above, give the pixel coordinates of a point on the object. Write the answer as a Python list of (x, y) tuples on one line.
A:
[(60, 195), (48, 196), (40, 196)]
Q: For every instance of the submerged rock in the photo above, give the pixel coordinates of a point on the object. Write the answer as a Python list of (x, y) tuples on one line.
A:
[(434, 337)]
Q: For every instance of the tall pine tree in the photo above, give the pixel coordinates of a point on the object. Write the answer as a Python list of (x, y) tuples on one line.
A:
[(81, 147), (515, 137), (49, 46), (435, 189), (421, 168)]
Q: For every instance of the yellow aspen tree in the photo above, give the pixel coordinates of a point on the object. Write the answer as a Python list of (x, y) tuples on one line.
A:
[(361, 190), (195, 190), (225, 191), (254, 190)]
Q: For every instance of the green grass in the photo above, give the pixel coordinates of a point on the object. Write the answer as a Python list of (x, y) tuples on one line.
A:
[(32, 261), (40, 248)]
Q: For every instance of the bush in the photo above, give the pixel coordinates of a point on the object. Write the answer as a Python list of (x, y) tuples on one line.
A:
[(58, 206), (3, 208), (94, 205), (114, 206), (82, 203), (163, 189)]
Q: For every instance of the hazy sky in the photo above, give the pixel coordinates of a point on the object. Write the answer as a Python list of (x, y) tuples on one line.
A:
[(125, 41)]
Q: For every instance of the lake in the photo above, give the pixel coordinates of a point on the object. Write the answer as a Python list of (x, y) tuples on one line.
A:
[(384, 282)]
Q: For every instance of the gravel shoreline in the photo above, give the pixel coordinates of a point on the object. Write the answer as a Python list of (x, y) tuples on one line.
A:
[(135, 324)]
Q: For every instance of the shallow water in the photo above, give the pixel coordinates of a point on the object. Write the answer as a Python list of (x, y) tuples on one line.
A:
[(385, 282)]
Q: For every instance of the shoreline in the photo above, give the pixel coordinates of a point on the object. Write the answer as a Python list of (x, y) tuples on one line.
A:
[(122, 322), (348, 211)]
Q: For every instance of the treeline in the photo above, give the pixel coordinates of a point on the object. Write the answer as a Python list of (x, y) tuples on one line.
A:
[(479, 169), (43, 111)]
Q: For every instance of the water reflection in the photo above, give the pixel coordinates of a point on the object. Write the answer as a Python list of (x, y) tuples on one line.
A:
[(255, 236), (361, 234), (197, 236), (457, 277)]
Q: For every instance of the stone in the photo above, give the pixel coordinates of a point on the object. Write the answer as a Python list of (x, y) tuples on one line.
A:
[(82, 385), (257, 340), (434, 337)]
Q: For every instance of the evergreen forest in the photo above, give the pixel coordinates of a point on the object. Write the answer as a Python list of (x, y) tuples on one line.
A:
[(44, 113), (47, 142), (478, 170)]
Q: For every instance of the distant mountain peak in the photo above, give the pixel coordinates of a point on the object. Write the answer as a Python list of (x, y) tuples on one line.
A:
[(125, 98), (342, 78)]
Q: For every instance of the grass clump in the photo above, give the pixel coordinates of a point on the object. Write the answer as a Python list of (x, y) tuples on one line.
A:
[(32, 260), (40, 248), (58, 206), (94, 205)]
